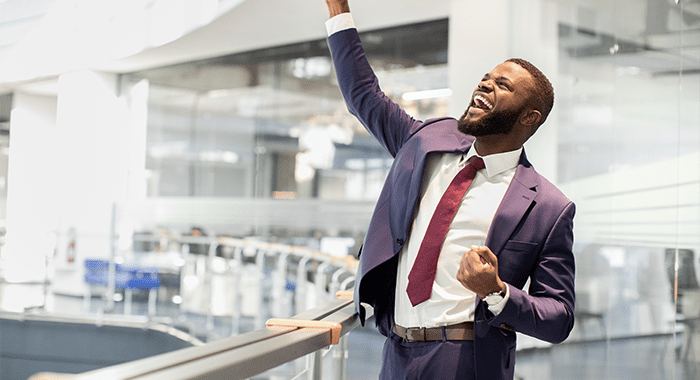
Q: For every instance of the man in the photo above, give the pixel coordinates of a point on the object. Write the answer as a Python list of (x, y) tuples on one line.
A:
[(462, 223)]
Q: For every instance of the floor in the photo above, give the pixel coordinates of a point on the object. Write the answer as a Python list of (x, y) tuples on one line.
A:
[(641, 358), (648, 358)]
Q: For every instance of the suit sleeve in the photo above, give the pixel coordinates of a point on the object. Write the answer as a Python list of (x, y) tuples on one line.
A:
[(546, 311), (383, 118)]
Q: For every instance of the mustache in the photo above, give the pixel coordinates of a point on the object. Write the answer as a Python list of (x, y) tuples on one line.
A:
[(466, 111)]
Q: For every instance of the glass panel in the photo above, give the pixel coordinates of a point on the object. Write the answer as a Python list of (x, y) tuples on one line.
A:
[(629, 153), (273, 124)]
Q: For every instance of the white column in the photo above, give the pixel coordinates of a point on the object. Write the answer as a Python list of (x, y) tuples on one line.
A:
[(94, 131), (136, 98), (478, 42), (484, 34), (32, 207)]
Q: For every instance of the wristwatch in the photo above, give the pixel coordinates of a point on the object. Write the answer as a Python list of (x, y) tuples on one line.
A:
[(495, 297)]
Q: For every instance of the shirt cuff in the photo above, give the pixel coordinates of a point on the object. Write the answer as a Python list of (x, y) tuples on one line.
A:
[(340, 22), (498, 308)]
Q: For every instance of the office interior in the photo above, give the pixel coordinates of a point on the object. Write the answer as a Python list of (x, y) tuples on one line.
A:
[(175, 138)]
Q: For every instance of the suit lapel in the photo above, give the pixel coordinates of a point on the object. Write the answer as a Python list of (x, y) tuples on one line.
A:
[(517, 200)]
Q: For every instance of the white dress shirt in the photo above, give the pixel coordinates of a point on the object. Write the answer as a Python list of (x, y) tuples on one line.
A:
[(450, 302)]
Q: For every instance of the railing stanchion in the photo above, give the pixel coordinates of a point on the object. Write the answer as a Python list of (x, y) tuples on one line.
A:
[(209, 275), (320, 282), (334, 286), (185, 251), (111, 281), (128, 295), (316, 368), (260, 262), (152, 297), (346, 282), (279, 283), (236, 304), (343, 367), (301, 284)]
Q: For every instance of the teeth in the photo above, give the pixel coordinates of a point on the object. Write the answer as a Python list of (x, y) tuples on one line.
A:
[(482, 102)]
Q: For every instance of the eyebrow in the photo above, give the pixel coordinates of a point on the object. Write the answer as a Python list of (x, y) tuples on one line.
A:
[(504, 78)]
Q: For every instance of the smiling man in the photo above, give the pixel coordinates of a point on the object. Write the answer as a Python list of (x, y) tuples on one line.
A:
[(462, 223)]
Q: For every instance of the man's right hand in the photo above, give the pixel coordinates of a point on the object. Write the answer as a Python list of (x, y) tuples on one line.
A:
[(336, 7)]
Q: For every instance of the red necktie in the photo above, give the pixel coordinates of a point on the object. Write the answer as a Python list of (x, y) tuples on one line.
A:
[(422, 275)]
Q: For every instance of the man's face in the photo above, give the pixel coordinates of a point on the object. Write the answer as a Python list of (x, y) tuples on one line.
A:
[(498, 101)]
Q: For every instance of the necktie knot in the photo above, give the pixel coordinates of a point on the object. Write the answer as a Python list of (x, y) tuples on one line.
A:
[(477, 162)]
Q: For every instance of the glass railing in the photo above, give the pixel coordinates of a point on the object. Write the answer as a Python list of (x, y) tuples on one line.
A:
[(270, 282), (240, 357)]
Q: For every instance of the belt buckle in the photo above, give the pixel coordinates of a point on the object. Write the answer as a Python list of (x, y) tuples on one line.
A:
[(415, 334)]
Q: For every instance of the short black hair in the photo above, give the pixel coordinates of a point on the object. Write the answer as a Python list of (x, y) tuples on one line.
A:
[(544, 92)]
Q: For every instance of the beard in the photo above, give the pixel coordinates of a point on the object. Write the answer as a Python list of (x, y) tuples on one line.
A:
[(497, 122)]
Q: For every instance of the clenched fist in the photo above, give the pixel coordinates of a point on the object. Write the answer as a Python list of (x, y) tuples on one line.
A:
[(478, 271)]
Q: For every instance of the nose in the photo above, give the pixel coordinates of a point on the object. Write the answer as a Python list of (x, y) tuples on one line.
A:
[(485, 86)]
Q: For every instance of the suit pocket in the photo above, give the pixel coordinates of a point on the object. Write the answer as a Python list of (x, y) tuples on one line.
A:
[(515, 261), (520, 246)]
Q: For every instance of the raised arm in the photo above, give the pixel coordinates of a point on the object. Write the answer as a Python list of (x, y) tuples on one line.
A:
[(336, 7), (383, 118)]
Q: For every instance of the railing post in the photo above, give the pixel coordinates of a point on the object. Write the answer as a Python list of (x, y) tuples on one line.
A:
[(279, 283), (87, 296), (346, 282), (185, 251), (341, 355), (209, 275), (321, 294), (260, 261), (152, 298), (301, 284), (111, 279), (316, 365), (334, 286), (128, 295), (236, 307)]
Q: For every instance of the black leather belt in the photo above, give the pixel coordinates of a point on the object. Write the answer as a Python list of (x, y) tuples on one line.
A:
[(460, 331)]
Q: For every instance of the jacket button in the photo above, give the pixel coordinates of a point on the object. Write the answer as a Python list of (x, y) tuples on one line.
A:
[(506, 327), (399, 241)]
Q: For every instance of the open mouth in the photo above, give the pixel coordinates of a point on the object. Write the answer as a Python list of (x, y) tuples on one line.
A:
[(480, 101)]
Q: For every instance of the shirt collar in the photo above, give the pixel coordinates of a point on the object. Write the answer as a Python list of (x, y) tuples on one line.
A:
[(496, 163)]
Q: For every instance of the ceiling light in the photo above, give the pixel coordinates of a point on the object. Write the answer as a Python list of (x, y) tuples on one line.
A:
[(427, 94)]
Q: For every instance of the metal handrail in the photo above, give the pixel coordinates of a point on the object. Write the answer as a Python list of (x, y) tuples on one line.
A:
[(237, 357)]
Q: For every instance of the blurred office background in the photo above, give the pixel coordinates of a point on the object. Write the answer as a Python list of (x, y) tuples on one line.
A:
[(182, 138)]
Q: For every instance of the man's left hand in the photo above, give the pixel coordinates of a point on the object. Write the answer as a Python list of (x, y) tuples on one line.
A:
[(478, 271)]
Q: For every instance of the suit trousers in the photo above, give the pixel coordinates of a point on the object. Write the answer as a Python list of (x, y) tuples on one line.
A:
[(443, 360)]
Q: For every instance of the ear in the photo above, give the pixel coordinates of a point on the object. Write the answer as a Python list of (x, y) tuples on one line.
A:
[(531, 118)]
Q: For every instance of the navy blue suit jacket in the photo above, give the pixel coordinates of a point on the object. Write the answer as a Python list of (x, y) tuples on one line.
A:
[(531, 233)]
